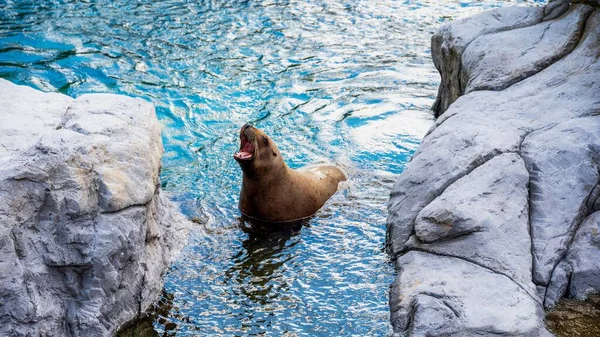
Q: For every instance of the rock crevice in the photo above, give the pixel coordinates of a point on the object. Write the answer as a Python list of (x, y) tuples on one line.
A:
[(533, 295)]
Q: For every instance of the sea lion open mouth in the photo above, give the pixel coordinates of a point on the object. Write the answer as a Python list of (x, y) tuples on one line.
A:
[(246, 146)]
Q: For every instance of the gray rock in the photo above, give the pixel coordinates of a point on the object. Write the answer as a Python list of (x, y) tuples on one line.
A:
[(558, 285), (86, 233), (449, 42), (445, 296), (483, 218), (584, 259), (29, 121), (555, 8), (594, 3), (562, 160), (502, 182), (578, 275), (487, 64)]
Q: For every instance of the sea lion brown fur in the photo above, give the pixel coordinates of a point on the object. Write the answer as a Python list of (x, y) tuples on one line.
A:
[(273, 192)]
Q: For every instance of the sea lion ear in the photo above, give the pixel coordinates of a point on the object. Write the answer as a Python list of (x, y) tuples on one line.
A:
[(274, 153), (265, 140)]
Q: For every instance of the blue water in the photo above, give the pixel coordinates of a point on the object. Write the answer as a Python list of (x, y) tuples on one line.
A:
[(343, 81)]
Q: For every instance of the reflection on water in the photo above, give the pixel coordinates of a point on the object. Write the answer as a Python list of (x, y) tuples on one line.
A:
[(264, 253), (144, 326), (338, 80)]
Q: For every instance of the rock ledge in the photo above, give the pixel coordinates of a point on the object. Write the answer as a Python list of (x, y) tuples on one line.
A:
[(496, 217), (85, 231)]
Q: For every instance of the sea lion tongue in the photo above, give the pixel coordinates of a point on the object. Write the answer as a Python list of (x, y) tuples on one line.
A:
[(246, 149)]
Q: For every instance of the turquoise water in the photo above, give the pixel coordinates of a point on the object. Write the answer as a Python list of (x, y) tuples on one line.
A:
[(349, 82)]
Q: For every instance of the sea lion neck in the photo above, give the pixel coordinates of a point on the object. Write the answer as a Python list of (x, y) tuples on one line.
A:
[(258, 173)]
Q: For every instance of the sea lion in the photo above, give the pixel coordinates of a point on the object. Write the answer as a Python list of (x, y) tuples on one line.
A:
[(273, 192)]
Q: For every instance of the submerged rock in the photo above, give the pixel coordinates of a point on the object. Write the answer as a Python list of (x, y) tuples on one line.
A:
[(85, 231), (506, 183)]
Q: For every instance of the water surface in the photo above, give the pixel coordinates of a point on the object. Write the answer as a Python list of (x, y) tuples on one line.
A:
[(342, 81)]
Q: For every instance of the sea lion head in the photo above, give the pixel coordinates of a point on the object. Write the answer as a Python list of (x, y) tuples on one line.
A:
[(258, 155)]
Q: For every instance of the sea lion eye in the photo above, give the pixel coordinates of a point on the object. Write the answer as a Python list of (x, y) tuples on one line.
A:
[(265, 140)]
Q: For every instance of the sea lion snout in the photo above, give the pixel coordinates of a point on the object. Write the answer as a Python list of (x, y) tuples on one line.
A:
[(247, 144), (254, 144)]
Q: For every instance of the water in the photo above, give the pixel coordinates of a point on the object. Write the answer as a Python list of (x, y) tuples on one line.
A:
[(344, 81)]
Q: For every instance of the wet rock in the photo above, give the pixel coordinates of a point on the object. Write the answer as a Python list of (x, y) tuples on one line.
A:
[(504, 181), (86, 232)]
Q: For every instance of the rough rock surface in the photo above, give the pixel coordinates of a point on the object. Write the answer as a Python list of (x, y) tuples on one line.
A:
[(85, 232), (506, 184), (583, 259), (445, 296), (490, 207), (450, 41), (488, 65)]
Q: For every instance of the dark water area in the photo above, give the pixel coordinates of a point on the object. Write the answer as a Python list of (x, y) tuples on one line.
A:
[(350, 82)]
